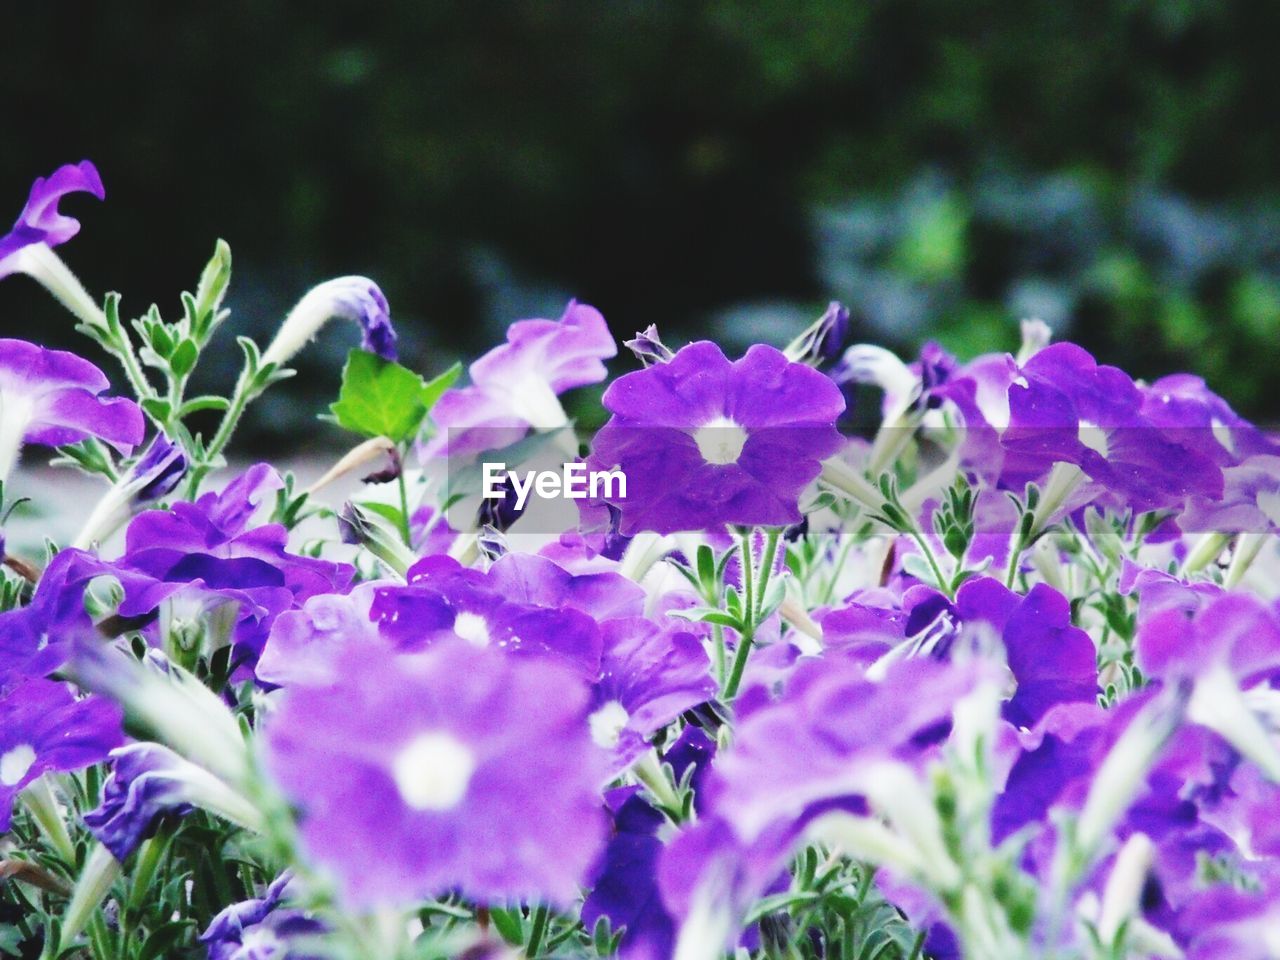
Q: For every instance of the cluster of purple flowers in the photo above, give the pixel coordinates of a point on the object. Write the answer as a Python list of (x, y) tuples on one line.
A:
[(1001, 681)]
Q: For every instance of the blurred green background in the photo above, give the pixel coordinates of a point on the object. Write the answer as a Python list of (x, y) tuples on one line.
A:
[(719, 168)]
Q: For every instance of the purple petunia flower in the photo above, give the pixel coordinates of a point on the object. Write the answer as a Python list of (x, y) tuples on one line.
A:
[(1066, 408), (35, 640), (524, 605), (147, 782), (350, 298), (41, 223), (51, 397), (457, 768), (705, 442), (303, 642), (262, 928), (43, 728), (516, 385), (649, 676), (625, 892), (199, 556)]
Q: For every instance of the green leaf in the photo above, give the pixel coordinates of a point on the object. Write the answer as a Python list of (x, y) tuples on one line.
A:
[(380, 398), (183, 358), (509, 925), (435, 387), (205, 402), (159, 410)]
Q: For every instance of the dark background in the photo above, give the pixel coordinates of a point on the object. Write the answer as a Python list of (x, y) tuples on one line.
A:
[(719, 168)]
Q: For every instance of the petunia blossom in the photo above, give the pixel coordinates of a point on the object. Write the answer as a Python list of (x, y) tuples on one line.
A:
[(457, 768), (516, 385), (705, 442), (41, 223), (51, 398), (45, 728)]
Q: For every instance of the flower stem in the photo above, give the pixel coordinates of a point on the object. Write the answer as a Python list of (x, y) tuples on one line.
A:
[(404, 509), (43, 806)]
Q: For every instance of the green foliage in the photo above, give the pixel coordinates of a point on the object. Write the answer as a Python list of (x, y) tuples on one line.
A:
[(383, 399)]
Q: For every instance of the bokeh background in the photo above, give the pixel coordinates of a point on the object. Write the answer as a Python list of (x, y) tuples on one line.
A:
[(719, 168)]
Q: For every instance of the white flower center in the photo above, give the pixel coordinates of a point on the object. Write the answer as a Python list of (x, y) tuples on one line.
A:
[(472, 628), (607, 724), (15, 763), (433, 771), (1093, 437), (720, 441)]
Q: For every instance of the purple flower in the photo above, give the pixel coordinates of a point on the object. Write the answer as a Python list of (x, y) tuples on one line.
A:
[(147, 782), (1052, 661), (262, 928), (36, 639), (516, 385), (303, 642), (44, 728), (202, 555), (648, 346), (625, 891), (704, 442), (649, 676), (457, 768), (40, 221), (350, 298), (51, 398), (1066, 408), (524, 604)]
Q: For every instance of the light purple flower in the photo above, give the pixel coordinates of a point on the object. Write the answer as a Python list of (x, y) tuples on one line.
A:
[(525, 605), (649, 676), (263, 928), (154, 475), (303, 642), (40, 221), (704, 442), (516, 385), (44, 728), (457, 768), (51, 397), (201, 555)]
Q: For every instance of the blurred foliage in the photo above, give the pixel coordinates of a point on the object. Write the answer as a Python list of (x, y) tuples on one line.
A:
[(945, 167)]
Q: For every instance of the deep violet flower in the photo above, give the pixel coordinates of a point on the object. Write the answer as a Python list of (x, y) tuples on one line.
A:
[(350, 298), (263, 928), (43, 728), (516, 385), (41, 224), (705, 442), (148, 781), (625, 891), (51, 397), (457, 768), (36, 639)]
